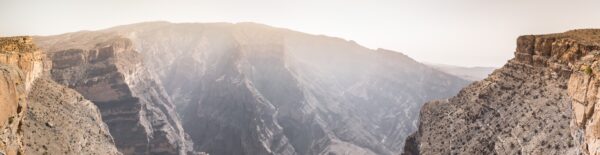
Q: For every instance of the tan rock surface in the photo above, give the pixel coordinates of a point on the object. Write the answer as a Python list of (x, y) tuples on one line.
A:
[(541, 102), (72, 125), (12, 101), (60, 121), (20, 64)]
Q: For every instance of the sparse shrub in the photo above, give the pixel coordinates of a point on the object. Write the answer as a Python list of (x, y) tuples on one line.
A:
[(587, 70)]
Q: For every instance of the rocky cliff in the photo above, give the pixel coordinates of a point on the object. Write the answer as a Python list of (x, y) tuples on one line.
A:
[(253, 89), (60, 121), (34, 112), (12, 103), (111, 74), (543, 101), (20, 65)]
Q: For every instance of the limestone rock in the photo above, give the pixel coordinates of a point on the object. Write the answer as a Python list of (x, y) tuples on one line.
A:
[(60, 121), (138, 112), (541, 102), (248, 88), (12, 105), (20, 65), (23, 54), (44, 117)]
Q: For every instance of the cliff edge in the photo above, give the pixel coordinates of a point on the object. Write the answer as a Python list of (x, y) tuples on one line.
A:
[(543, 101), (37, 115)]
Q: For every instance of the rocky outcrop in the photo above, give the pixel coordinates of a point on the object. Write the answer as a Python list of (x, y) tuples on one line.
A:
[(20, 65), (60, 121), (12, 103), (23, 54), (136, 109), (540, 102), (252, 89), (42, 117)]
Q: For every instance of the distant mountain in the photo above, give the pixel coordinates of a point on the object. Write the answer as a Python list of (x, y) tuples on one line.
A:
[(467, 73), (246, 88), (543, 101)]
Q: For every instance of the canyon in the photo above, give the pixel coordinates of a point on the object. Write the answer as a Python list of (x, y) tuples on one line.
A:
[(245, 88)]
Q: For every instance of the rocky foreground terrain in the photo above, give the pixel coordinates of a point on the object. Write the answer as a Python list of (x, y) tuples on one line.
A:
[(38, 116), (245, 88), (543, 101)]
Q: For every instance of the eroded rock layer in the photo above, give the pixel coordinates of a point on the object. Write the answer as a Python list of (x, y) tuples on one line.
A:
[(139, 114), (540, 102), (20, 65), (43, 118), (12, 103), (60, 121), (253, 89)]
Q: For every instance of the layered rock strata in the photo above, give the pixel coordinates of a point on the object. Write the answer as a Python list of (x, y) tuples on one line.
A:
[(253, 89), (111, 74), (20, 65), (541, 102), (38, 116)]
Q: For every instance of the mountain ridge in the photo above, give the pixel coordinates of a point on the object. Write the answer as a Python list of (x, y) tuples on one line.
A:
[(287, 84)]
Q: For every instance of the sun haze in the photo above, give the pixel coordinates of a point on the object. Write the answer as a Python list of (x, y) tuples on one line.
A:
[(460, 32)]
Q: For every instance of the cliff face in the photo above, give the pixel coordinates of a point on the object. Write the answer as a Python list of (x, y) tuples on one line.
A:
[(23, 54), (20, 65), (540, 102), (247, 88), (38, 116), (12, 103), (252, 89), (136, 109)]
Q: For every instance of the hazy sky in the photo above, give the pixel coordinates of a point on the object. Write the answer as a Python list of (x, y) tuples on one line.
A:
[(457, 32)]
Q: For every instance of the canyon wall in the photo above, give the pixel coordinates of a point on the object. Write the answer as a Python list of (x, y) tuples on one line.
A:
[(541, 102), (38, 116), (111, 74)]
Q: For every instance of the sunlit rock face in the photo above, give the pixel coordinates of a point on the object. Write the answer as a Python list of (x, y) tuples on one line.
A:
[(20, 65), (541, 102), (252, 89), (110, 73), (38, 116)]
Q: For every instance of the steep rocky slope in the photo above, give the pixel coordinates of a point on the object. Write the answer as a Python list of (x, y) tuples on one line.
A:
[(540, 102), (252, 89), (20, 65), (111, 74), (12, 103), (61, 121), (26, 105)]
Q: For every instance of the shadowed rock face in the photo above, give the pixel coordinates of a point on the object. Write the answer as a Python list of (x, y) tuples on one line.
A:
[(136, 109), (540, 102), (253, 89)]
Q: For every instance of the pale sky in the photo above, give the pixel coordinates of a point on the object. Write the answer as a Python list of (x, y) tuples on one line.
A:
[(456, 32)]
